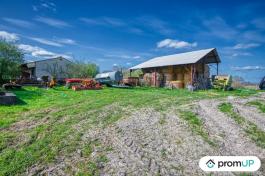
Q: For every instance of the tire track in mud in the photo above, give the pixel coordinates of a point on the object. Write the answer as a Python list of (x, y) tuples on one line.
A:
[(233, 139), (250, 113), (142, 145)]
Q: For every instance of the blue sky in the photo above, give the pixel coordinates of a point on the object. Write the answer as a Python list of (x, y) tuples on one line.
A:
[(129, 32)]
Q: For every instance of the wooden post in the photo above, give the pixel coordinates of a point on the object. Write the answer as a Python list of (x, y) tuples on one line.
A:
[(217, 69), (203, 70), (130, 72), (155, 77), (191, 75)]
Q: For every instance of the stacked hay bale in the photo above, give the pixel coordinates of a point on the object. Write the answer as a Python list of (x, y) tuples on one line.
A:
[(187, 75), (168, 73), (147, 79)]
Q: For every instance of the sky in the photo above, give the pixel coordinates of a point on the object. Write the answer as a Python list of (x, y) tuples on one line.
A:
[(126, 33)]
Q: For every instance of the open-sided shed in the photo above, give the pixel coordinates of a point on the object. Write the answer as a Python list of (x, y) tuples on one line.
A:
[(179, 70)]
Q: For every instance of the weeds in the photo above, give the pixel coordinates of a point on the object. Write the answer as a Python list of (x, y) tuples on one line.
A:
[(256, 134), (228, 109), (196, 125)]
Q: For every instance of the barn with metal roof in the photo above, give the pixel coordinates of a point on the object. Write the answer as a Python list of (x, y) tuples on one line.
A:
[(179, 70)]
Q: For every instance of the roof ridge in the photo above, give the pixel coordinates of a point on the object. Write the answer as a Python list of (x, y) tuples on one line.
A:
[(179, 59)]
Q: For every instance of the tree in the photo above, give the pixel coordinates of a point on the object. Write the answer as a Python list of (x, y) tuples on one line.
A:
[(10, 59), (83, 70)]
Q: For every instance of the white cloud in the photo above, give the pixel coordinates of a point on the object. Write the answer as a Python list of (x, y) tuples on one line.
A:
[(136, 57), (170, 43), (114, 21), (135, 30), (128, 25), (39, 52), (53, 22), (49, 5), (65, 41), (104, 21), (123, 56), (18, 22), (254, 35), (248, 68), (35, 51), (241, 54), (44, 5), (246, 46), (46, 42), (155, 25), (9, 37), (35, 8), (58, 42), (218, 27)]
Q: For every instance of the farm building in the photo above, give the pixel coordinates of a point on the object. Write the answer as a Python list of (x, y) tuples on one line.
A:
[(180, 70), (56, 67)]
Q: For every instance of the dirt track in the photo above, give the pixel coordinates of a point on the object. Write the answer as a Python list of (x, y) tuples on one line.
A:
[(150, 143), (153, 143)]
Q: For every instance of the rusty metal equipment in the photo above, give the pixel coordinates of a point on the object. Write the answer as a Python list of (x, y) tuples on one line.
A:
[(262, 84), (222, 82), (85, 84)]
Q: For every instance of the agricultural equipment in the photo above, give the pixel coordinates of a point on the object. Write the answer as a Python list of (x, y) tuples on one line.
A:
[(83, 84), (109, 78), (222, 82), (72, 82), (262, 84)]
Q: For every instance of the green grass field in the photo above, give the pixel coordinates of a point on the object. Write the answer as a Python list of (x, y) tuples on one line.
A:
[(43, 126)]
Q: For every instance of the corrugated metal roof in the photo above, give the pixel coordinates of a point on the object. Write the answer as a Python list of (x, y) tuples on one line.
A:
[(181, 59)]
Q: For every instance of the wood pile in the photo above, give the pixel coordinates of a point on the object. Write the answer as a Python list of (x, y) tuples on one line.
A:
[(83, 84)]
